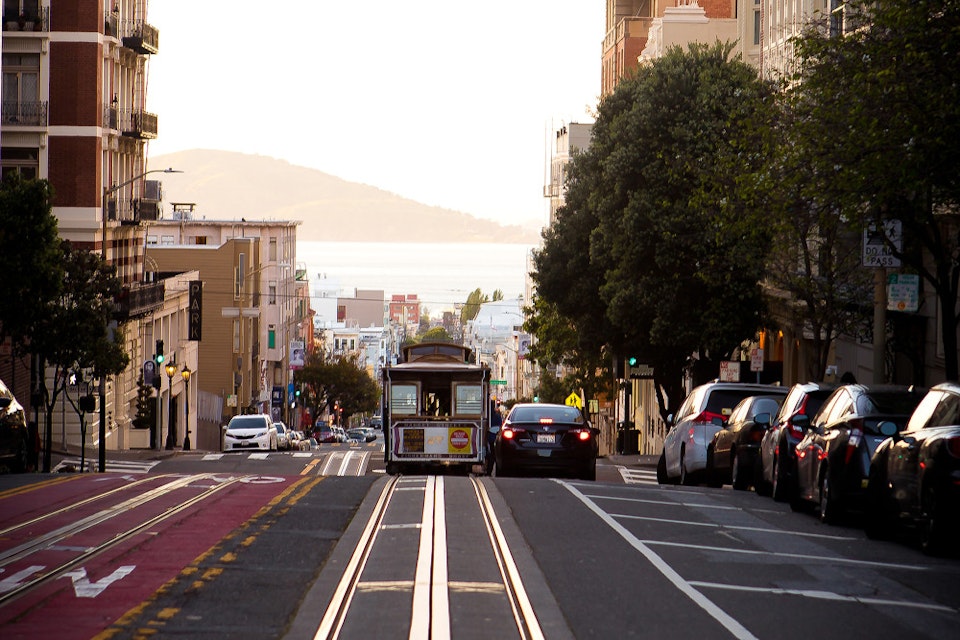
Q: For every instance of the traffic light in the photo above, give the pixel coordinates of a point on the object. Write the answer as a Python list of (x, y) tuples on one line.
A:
[(160, 352), (632, 361)]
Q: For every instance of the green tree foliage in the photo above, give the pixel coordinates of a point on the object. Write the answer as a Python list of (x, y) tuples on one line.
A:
[(338, 380), (657, 217), (553, 389), (882, 119), (74, 330), (813, 271), (29, 258), (436, 334), (146, 417), (471, 307)]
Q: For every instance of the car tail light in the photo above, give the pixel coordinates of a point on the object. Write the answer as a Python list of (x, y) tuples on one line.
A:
[(953, 446), (509, 433), (582, 434), (757, 435), (708, 416), (546, 420)]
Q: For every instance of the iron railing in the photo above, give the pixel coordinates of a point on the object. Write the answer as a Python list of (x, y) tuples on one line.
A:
[(24, 113)]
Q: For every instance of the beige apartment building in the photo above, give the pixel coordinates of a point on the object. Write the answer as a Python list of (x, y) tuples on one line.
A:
[(255, 306)]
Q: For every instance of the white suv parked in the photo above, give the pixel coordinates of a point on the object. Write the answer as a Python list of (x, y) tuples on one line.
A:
[(254, 431), (702, 414)]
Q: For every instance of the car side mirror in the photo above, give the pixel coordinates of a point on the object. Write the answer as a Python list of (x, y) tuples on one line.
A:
[(762, 419), (888, 429), (670, 420)]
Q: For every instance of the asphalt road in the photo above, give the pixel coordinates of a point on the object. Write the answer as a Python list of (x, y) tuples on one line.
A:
[(618, 558)]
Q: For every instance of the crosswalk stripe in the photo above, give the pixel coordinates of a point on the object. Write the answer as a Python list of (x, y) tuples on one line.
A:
[(113, 466), (638, 476)]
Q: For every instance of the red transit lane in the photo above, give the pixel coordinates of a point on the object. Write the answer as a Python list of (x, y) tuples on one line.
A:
[(102, 545)]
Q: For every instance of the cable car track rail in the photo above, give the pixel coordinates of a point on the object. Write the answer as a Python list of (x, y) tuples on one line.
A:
[(51, 538), (430, 586)]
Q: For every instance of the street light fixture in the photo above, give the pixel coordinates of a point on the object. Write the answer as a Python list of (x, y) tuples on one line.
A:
[(186, 406), (103, 254), (171, 435)]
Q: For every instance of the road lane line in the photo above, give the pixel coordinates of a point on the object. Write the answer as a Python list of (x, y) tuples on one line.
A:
[(669, 503), (797, 556), (420, 617), (827, 595), (726, 620), (732, 527)]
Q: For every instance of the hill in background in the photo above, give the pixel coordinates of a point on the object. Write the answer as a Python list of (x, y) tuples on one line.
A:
[(229, 185)]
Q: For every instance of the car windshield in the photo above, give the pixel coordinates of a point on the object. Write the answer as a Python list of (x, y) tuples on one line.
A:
[(557, 414), (246, 422), (280, 427)]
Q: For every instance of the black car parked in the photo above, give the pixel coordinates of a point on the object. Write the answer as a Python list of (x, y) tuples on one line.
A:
[(915, 475), (14, 448), (733, 453), (833, 459), (777, 464), (552, 437)]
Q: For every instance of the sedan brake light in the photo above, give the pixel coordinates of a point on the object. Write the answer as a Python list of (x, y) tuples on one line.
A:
[(509, 433), (546, 420), (582, 434)]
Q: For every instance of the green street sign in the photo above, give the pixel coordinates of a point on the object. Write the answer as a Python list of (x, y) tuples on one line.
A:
[(499, 382)]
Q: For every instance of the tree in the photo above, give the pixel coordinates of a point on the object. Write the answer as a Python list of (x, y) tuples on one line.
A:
[(73, 330), (339, 381), (29, 258), (436, 334), (813, 271), (657, 216), (471, 307), (891, 149)]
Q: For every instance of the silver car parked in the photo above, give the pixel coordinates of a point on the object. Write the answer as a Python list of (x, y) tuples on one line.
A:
[(700, 416)]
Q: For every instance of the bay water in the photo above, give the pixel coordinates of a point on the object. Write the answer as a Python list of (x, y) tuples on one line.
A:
[(441, 274)]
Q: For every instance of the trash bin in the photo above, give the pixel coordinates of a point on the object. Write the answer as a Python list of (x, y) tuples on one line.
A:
[(631, 441)]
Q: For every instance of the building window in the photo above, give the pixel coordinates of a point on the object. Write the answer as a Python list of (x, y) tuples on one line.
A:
[(272, 337), (236, 336), (200, 240), (272, 292), (22, 162), (21, 89), (272, 250), (756, 27)]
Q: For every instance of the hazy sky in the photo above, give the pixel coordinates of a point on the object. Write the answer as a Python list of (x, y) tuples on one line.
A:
[(446, 102)]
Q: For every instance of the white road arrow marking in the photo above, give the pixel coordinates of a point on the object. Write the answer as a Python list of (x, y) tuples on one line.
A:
[(86, 589), (13, 582)]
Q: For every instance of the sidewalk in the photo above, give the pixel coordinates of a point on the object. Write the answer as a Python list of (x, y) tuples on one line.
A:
[(633, 460)]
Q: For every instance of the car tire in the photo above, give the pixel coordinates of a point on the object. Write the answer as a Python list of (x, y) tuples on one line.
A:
[(737, 475), (934, 524), (713, 477), (828, 508), (761, 486), (780, 489), (590, 472), (662, 470), (685, 478), (22, 461), (878, 521)]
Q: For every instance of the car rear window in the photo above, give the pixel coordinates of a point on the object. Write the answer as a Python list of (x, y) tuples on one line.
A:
[(557, 414), (888, 403), (722, 401)]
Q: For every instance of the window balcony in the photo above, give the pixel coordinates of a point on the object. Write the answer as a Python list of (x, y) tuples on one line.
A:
[(139, 299), (24, 114), (138, 124), (140, 37), (31, 21)]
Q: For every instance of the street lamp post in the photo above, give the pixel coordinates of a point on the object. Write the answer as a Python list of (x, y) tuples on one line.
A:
[(103, 254), (171, 434), (186, 406)]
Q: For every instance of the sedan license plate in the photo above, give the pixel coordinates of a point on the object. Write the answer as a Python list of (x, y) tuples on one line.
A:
[(546, 438)]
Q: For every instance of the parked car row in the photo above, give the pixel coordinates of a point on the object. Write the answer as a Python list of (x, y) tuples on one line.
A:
[(889, 453)]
